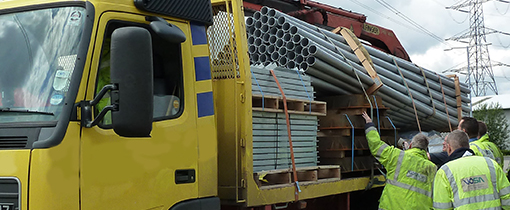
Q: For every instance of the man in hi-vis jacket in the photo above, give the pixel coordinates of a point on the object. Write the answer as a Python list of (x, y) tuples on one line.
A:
[(409, 173), (467, 181)]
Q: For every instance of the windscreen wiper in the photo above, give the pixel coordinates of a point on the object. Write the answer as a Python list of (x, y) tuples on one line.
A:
[(7, 109)]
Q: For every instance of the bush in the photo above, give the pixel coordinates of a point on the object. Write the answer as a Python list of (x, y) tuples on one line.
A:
[(505, 152), (497, 125)]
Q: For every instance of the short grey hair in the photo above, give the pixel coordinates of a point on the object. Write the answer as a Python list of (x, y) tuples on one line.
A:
[(420, 141), (458, 139)]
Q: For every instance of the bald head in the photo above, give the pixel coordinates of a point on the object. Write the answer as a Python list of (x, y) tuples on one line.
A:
[(420, 141), (457, 139)]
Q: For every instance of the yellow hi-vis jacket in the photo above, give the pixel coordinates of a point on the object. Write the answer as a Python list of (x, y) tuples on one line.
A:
[(471, 182), (498, 156), (409, 175), (480, 148)]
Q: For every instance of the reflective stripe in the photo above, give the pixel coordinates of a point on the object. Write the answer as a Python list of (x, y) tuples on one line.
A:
[(438, 205), (479, 149), (399, 163), (474, 199), (505, 202), (409, 187), (371, 128), (493, 208), (493, 176), (453, 183), (380, 150), (504, 191)]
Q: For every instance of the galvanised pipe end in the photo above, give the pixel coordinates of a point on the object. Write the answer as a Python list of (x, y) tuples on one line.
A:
[(258, 42), (257, 33), (280, 21), (264, 10), (258, 24), (280, 34), (262, 49), (279, 43), (271, 12), (250, 22), (290, 55), (272, 39), (271, 22), (257, 15), (290, 46), (287, 37), (282, 61), (303, 66), (298, 49), (291, 64), (264, 19), (270, 49), (310, 61), (275, 56), (265, 28), (304, 42), (296, 38), (299, 59), (293, 30), (282, 51)]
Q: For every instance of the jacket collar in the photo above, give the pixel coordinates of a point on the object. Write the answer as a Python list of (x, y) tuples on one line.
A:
[(461, 152), (417, 152)]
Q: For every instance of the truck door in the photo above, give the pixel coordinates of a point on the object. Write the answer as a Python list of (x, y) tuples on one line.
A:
[(142, 173)]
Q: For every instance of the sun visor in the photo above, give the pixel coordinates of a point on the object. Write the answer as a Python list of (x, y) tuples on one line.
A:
[(194, 10)]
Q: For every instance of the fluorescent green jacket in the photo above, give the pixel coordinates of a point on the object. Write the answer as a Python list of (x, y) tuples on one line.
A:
[(471, 182), (409, 175), (483, 147)]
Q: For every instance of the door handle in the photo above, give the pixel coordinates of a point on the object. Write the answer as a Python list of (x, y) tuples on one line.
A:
[(184, 176)]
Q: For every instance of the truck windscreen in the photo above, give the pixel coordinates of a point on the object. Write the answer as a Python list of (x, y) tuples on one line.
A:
[(38, 51)]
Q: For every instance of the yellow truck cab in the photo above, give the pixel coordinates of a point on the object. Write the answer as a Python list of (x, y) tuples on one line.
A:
[(104, 104)]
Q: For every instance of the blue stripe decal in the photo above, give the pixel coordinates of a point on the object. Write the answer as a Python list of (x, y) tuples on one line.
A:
[(202, 68), (205, 104), (198, 34)]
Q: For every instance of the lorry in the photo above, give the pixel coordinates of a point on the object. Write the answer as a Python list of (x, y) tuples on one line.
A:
[(115, 104)]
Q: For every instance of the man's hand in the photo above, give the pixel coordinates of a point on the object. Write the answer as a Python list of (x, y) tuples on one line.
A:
[(366, 117)]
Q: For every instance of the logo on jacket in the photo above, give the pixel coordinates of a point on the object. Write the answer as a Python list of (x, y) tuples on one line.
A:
[(417, 176), (475, 183)]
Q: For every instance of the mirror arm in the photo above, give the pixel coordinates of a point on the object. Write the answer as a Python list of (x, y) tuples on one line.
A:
[(103, 92), (101, 115), (86, 107)]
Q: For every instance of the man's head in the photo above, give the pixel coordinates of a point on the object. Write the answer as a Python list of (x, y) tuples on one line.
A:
[(469, 125), (482, 129), (455, 140), (420, 141)]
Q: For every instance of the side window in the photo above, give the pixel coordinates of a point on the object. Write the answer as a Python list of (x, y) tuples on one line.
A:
[(168, 81)]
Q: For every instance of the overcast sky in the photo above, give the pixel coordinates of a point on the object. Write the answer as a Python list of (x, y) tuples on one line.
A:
[(432, 15)]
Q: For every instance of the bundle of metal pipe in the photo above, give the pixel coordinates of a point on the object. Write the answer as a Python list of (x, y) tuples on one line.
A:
[(270, 141), (275, 37)]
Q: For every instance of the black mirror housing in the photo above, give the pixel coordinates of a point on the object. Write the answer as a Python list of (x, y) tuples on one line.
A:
[(131, 70)]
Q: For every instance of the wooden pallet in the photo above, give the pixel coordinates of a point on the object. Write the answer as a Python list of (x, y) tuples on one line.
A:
[(294, 106), (305, 175)]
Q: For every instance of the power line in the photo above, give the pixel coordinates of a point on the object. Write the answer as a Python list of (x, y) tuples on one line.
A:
[(409, 20), (384, 16)]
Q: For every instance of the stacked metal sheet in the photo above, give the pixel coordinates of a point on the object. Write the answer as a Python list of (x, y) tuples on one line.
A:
[(295, 85), (271, 142), (335, 69)]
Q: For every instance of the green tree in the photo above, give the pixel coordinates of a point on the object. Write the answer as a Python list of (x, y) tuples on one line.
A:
[(497, 126)]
